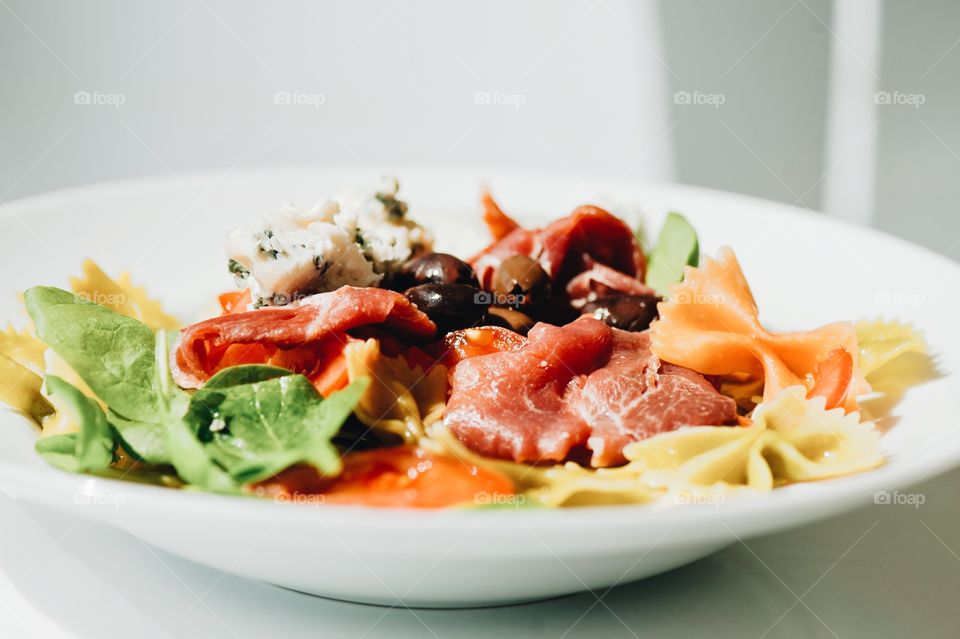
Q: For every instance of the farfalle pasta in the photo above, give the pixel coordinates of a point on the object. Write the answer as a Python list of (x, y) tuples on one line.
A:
[(401, 399), (882, 342), (711, 325), (792, 439), (122, 296)]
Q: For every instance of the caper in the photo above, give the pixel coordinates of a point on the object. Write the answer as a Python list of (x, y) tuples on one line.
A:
[(450, 306), (435, 268), (627, 312), (520, 281)]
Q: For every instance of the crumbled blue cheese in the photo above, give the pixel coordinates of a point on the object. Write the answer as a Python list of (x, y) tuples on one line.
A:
[(354, 239)]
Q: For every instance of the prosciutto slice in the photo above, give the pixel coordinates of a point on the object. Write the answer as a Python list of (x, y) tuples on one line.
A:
[(601, 280), (316, 319), (568, 247), (580, 387)]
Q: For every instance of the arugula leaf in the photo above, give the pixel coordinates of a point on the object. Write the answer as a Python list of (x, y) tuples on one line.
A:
[(91, 448), (257, 429), (112, 353), (676, 247)]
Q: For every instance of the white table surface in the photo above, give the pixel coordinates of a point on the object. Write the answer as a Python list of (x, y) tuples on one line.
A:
[(882, 571)]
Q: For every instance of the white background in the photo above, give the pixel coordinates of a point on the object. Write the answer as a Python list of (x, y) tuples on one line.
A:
[(576, 88)]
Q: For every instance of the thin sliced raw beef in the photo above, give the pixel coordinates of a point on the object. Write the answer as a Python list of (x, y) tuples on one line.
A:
[(513, 405), (583, 386), (634, 396), (200, 349), (567, 247)]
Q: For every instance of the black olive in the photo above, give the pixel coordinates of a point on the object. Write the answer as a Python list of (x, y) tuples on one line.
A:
[(627, 312), (450, 306), (434, 268), (509, 318), (520, 281)]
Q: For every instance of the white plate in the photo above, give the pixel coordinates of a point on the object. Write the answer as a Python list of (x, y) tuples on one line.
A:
[(805, 270)]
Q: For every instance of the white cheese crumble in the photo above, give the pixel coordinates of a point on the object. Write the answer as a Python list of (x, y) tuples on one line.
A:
[(354, 239)]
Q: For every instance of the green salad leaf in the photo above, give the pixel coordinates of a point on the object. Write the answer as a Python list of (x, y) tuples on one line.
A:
[(88, 450), (194, 465), (112, 353), (246, 424), (676, 247), (268, 421)]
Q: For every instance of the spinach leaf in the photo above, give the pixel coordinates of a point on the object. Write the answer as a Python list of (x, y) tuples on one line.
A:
[(676, 247), (146, 441), (194, 466), (91, 448), (112, 353), (245, 374), (255, 430)]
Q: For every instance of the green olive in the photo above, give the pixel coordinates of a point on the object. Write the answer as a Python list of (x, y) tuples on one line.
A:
[(520, 281)]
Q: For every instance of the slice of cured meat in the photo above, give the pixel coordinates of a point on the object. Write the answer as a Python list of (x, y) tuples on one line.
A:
[(600, 281), (201, 348), (635, 396), (580, 387), (567, 247)]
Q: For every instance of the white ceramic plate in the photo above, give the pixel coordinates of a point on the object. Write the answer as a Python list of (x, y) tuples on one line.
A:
[(805, 270)]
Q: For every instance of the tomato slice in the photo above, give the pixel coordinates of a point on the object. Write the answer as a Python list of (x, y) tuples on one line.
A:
[(471, 342), (395, 477), (235, 301), (831, 378)]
